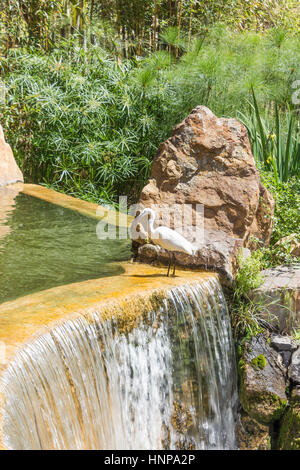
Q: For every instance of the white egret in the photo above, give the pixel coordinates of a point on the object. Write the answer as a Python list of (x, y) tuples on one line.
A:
[(166, 238)]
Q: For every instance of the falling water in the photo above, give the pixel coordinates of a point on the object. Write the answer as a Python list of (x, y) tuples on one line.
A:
[(168, 383)]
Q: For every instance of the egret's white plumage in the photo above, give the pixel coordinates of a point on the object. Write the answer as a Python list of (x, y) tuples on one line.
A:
[(165, 237)]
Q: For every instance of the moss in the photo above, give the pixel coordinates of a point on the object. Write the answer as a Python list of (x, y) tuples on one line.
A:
[(289, 434), (252, 435), (281, 407), (263, 407), (259, 362)]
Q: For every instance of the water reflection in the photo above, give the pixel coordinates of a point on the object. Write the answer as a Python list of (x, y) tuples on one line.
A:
[(7, 205), (45, 245)]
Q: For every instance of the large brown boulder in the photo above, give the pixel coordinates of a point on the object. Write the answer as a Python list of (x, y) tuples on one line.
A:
[(208, 161), (9, 170)]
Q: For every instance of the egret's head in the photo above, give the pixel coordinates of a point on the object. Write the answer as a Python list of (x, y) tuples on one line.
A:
[(147, 212)]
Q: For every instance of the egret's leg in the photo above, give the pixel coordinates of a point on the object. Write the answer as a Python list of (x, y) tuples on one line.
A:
[(174, 261), (169, 264)]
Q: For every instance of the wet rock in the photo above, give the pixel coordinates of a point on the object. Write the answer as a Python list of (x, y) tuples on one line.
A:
[(289, 434), (208, 161), (252, 435), (9, 170), (281, 343), (280, 296), (294, 370), (262, 381), (286, 358), (285, 346)]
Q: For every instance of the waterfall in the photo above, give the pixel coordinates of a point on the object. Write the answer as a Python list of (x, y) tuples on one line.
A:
[(168, 382)]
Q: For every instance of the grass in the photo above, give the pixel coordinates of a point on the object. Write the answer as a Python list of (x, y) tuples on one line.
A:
[(274, 140), (286, 220), (246, 313)]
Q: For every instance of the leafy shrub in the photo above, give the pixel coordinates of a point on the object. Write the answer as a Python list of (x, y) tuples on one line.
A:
[(80, 126), (274, 140), (248, 276), (89, 124), (245, 313), (286, 219)]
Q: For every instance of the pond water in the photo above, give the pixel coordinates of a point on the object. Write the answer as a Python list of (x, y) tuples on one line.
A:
[(43, 245)]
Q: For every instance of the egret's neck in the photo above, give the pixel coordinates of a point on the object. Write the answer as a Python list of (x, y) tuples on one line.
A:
[(151, 224)]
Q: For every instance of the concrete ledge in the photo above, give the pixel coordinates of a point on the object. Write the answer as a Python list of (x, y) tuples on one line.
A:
[(89, 209)]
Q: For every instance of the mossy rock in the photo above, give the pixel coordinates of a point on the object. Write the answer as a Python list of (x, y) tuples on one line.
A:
[(259, 362), (252, 435), (289, 434), (262, 382)]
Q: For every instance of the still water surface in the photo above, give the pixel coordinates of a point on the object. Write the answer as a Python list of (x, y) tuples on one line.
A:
[(44, 245)]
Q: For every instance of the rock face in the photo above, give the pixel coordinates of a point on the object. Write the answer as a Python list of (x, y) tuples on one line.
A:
[(280, 294), (9, 170), (208, 161), (289, 435), (294, 370), (252, 435), (217, 253), (285, 346), (262, 381)]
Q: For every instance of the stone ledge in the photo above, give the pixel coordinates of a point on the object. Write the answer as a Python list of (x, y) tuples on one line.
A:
[(218, 253)]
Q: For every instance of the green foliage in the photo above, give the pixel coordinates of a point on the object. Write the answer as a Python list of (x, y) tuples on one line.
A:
[(172, 38), (132, 27), (89, 124), (246, 317), (274, 140), (248, 276), (286, 219), (287, 205), (246, 312), (259, 362), (296, 334), (82, 126)]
